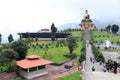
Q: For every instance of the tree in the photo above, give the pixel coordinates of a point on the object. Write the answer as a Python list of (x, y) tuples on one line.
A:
[(115, 28), (0, 38), (20, 47), (108, 27), (72, 44), (53, 32), (7, 56), (10, 38), (82, 57), (10, 53), (100, 57)]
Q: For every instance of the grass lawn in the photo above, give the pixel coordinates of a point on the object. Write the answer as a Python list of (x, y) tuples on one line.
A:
[(74, 76), (55, 54), (77, 33), (102, 36)]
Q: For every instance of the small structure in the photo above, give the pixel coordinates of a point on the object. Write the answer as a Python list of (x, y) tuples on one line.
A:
[(32, 66), (107, 43), (86, 23)]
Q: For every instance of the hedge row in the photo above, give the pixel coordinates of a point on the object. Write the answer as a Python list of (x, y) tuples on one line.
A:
[(97, 54), (83, 53)]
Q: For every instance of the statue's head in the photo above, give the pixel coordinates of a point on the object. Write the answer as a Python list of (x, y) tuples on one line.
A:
[(86, 11)]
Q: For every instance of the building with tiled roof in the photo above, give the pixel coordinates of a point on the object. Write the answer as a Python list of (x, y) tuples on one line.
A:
[(32, 66)]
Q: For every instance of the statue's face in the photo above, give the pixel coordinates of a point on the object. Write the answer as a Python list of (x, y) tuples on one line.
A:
[(86, 11)]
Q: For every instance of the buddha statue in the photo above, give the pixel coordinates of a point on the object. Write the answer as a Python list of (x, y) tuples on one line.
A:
[(86, 15)]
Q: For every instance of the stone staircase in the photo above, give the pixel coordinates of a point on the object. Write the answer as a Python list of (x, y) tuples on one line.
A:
[(87, 35)]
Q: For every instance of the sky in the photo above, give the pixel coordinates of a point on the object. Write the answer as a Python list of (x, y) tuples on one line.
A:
[(32, 15)]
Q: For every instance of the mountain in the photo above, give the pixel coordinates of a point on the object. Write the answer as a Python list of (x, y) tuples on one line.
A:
[(99, 24), (68, 25)]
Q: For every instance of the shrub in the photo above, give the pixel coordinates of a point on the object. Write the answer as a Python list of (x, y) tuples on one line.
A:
[(112, 42), (97, 54), (101, 41), (99, 35), (82, 57), (106, 48), (100, 57), (46, 46), (117, 42), (95, 35)]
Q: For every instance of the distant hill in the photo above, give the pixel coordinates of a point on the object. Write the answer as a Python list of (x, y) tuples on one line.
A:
[(68, 25), (98, 24)]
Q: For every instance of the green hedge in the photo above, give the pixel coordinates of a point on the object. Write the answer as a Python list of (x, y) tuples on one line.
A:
[(97, 54), (83, 53)]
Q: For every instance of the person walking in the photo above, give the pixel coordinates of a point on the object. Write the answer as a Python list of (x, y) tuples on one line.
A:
[(93, 68), (93, 60), (115, 67), (90, 59)]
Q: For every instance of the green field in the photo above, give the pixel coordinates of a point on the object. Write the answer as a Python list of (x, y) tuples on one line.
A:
[(53, 53), (74, 76), (100, 37), (77, 33)]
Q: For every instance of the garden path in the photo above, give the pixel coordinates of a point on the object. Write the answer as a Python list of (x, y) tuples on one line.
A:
[(98, 74)]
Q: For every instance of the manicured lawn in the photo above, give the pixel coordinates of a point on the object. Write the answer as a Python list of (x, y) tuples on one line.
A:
[(77, 33), (102, 36), (53, 53), (75, 76)]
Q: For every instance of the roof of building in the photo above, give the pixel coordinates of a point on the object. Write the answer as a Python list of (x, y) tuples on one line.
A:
[(44, 31), (32, 61)]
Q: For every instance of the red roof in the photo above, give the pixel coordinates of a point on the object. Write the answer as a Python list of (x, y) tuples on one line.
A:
[(32, 61), (32, 57), (44, 29)]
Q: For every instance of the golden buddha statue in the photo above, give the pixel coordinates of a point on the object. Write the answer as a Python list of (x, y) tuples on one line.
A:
[(86, 15)]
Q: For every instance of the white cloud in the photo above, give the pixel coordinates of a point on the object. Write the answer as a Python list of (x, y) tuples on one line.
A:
[(32, 15)]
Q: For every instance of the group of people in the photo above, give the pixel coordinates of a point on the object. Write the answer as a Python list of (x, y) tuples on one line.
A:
[(93, 61), (112, 66)]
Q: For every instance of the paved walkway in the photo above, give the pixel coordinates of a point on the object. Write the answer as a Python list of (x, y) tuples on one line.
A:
[(98, 74), (89, 64)]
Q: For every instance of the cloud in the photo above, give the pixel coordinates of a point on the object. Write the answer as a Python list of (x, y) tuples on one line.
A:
[(32, 15)]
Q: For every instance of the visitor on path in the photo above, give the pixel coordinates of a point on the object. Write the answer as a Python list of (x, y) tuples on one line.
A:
[(78, 66), (93, 68), (113, 70), (90, 59), (104, 69), (100, 62), (93, 60), (115, 67)]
